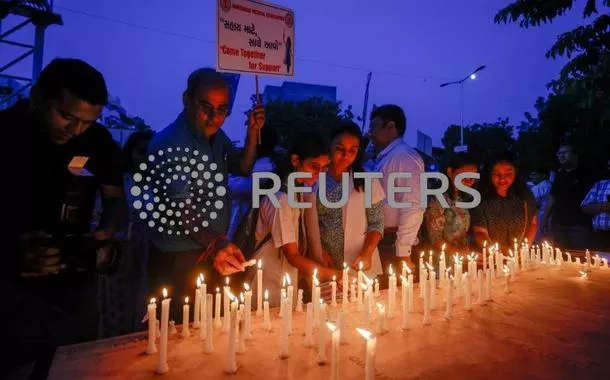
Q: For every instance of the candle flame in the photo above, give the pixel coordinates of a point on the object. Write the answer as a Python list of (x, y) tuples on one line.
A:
[(247, 287), (316, 282), (230, 295), (505, 269), (315, 272), (241, 297), (153, 300), (186, 299), (284, 281), (198, 282), (431, 254), (217, 290), (334, 278), (485, 244), (288, 279), (365, 333), (344, 265), (364, 287), (376, 281), (227, 281), (201, 277), (321, 301), (391, 270), (443, 247), (260, 264), (331, 327), (421, 254), (266, 294), (360, 265), (164, 293)]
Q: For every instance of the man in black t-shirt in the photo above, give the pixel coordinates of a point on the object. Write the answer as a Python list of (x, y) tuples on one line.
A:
[(570, 225), (57, 159)]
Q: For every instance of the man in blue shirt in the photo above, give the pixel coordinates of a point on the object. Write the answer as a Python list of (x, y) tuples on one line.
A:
[(197, 134)]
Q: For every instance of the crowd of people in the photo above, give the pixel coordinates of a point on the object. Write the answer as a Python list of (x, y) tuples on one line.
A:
[(70, 279)]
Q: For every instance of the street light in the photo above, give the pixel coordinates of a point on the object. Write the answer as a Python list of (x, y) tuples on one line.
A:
[(471, 76)]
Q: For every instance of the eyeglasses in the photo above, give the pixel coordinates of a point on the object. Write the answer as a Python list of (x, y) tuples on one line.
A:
[(209, 110)]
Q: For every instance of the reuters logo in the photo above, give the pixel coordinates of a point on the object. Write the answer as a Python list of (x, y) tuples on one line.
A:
[(178, 191)]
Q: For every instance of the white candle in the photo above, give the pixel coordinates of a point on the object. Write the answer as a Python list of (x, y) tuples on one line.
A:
[(203, 309), (491, 262), (316, 302), (381, 329), (321, 359), (422, 269), (353, 291), (282, 303), (209, 325), (426, 285), (259, 288), (248, 312), (442, 267), (299, 307), (468, 295), (506, 274), (290, 292), (359, 290), (284, 349), (341, 326), (241, 328), (333, 298), (162, 366), (371, 348), (392, 292), (217, 322), (488, 284), (410, 290), (185, 319), (345, 282), (226, 317), (432, 284), (404, 287), (430, 257), (480, 287), (605, 263), (449, 298), (158, 328), (309, 325), (266, 321), (485, 255), (457, 269), (196, 319), (231, 362), (367, 311), (152, 327), (334, 356)]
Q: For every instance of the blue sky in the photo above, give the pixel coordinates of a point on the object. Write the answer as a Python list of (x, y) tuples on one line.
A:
[(146, 50)]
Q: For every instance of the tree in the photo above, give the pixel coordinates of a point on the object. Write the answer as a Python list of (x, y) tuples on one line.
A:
[(578, 106), (315, 114)]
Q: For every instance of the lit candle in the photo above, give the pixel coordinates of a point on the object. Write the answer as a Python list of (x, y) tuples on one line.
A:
[(204, 308), (289, 302), (381, 329), (162, 366), (341, 326), (430, 258), (248, 312), (321, 359), (282, 298), (491, 261), (468, 294), (334, 356), (353, 290), (392, 292), (299, 307), (266, 321), (377, 292), (458, 273), (559, 256), (449, 288), (152, 326), (371, 348), (209, 325), (511, 266), (506, 273), (432, 284), (442, 267), (426, 285), (404, 287), (231, 363), (515, 245), (315, 298), (309, 325), (485, 255), (226, 317), (410, 290), (367, 311), (443, 250), (480, 287), (488, 283), (498, 260), (196, 319), (217, 322), (185, 319), (333, 298), (359, 300), (421, 273), (241, 327), (344, 299), (259, 288)]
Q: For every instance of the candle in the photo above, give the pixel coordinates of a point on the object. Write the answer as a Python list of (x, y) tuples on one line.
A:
[(605, 263), (203, 308), (449, 288), (353, 291), (359, 299), (377, 292), (432, 284), (392, 292), (266, 321), (334, 356), (309, 325), (158, 324), (443, 250), (341, 326), (226, 316), (404, 287), (196, 319), (381, 329), (515, 245), (231, 363), (209, 325), (248, 312), (333, 298), (367, 311), (597, 261), (421, 273), (282, 298), (290, 293), (321, 359), (584, 275), (506, 273), (345, 282), (371, 348), (162, 366), (217, 322), (426, 285), (458, 273), (316, 301), (241, 327), (468, 295), (299, 307), (488, 283), (491, 261), (152, 326), (480, 287), (185, 319), (284, 349), (485, 255), (410, 290), (259, 288), (442, 267), (430, 258)]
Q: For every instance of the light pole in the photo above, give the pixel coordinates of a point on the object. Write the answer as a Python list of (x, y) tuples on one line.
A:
[(472, 76)]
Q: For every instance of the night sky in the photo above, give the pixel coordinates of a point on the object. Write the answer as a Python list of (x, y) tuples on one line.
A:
[(146, 49)]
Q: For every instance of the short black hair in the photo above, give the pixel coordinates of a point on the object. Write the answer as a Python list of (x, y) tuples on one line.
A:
[(459, 160), (392, 112), (78, 77), (205, 77), (134, 139)]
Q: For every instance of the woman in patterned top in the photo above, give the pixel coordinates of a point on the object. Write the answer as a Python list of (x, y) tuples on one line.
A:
[(350, 234), (508, 208), (451, 226)]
